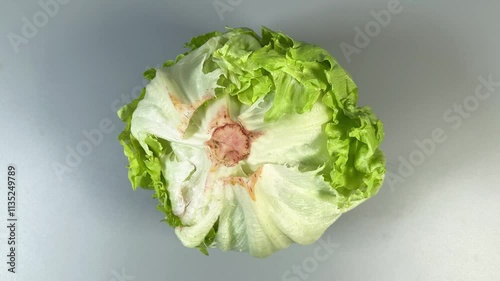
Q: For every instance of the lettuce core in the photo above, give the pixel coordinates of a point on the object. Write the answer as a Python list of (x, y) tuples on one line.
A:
[(229, 144)]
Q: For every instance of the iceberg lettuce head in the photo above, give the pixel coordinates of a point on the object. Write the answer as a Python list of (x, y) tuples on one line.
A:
[(251, 142)]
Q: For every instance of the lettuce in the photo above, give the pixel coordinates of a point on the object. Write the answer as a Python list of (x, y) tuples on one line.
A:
[(251, 142)]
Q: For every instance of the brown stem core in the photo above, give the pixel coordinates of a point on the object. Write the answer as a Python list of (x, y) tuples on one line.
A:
[(229, 144)]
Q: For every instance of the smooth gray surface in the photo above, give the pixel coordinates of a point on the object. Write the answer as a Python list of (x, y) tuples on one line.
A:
[(441, 223)]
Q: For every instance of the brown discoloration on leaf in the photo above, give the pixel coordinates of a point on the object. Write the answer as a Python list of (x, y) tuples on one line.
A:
[(254, 135), (187, 110), (221, 118), (253, 180), (234, 181), (246, 183)]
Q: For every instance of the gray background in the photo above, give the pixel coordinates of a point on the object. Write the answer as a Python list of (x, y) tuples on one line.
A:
[(441, 223)]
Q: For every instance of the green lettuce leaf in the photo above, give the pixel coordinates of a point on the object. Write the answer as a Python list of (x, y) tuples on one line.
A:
[(144, 169)]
